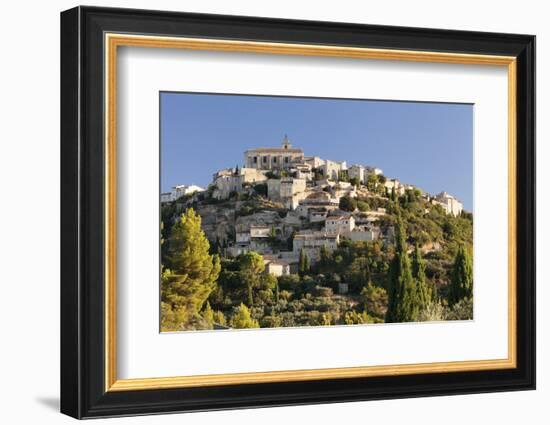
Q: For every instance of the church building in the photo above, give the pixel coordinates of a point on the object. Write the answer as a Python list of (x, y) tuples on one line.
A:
[(273, 158)]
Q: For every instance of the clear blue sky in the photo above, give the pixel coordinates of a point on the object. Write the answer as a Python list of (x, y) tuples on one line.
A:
[(429, 145)]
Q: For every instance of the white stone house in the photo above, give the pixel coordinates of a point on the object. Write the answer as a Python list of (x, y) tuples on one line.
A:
[(391, 184), (331, 169), (341, 225), (277, 266), (183, 189), (314, 161), (449, 203), (359, 172), (303, 171), (179, 191)]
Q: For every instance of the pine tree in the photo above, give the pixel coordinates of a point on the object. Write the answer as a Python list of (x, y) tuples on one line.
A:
[(208, 315), (251, 267), (242, 319), (191, 275), (462, 281), (402, 299), (419, 275), (219, 318)]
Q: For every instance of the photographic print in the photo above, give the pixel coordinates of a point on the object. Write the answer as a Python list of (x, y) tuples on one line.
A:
[(292, 211)]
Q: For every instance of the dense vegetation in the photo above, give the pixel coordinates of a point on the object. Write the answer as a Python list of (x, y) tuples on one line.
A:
[(425, 275)]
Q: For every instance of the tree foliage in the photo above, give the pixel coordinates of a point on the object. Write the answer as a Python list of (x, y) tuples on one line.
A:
[(191, 278), (362, 206), (347, 203), (241, 319), (375, 300), (462, 282), (303, 262), (403, 305), (420, 268), (423, 292)]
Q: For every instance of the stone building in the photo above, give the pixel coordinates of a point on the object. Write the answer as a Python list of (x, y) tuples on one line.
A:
[(316, 200), (314, 161), (273, 158), (233, 180), (365, 233), (278, 266), (254, 238), (302, 171), (359, 172), (311, 243), (449, 203), (317, 215), (394, 184), (179, 191), (287, 190), (332, 169), (342, 224)]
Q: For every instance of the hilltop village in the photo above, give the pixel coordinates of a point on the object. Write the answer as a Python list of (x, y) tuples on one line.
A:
[(304, 240), (307, 202)]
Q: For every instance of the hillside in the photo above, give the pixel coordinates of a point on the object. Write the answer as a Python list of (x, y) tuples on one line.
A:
[(269, 276)]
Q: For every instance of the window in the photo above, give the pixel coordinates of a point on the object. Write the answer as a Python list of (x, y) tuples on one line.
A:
[(255, 160), (286, 159), (275, 160), (265, 159)]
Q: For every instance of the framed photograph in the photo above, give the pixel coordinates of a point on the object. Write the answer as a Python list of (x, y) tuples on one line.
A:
[(261, 212)]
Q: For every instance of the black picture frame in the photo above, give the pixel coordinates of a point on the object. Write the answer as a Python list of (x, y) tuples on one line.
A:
[(83, 392)]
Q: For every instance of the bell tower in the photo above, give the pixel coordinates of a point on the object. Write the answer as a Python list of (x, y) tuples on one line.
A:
[(286, 143)]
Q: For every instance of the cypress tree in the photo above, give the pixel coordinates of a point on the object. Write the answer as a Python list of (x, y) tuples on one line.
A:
[(303, 262), (419, 275), (402, 300), (277, 292), (462, 281), (324, 257)]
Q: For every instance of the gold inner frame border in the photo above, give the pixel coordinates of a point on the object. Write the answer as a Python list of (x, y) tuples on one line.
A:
[(112, 41)]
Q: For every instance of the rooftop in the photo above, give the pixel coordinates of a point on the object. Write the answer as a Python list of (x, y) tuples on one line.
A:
[(339, 217), (275, 150), (285, 148), (316, 235)]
